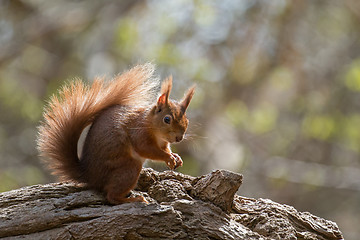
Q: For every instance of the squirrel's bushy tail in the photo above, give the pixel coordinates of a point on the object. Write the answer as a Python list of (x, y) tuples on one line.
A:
[(77, 105)]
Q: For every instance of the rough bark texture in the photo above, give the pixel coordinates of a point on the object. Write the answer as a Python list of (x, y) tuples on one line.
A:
[(180, 207)]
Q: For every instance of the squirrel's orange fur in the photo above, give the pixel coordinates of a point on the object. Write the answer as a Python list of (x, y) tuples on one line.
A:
[(126, 127)]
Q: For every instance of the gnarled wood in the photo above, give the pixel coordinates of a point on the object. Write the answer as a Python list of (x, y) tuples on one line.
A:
[(180, 207)]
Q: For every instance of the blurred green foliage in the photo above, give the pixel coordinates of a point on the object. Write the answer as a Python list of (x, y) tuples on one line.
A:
[(352, 76), (277, 95)]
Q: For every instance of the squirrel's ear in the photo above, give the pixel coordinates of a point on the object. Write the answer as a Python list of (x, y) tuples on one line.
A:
[(166, 88), (187, 98), (162, 101), (165, 92)]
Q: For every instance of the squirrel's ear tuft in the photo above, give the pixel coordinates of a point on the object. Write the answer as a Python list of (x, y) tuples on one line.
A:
[(187, 98), (165, 92), (166, 87)]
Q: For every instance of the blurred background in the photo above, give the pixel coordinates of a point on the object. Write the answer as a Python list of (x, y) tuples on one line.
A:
[(278, 87)]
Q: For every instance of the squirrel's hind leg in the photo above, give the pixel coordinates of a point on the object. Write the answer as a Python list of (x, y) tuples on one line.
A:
[(121, 182)]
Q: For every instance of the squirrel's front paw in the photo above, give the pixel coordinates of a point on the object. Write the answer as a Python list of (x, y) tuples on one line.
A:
[(178, 160), (175, 161), (171, 163)]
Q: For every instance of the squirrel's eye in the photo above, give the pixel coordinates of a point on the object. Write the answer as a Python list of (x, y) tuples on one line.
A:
[(167, 119)]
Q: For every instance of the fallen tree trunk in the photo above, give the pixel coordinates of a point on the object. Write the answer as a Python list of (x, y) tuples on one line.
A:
[(180, 207)]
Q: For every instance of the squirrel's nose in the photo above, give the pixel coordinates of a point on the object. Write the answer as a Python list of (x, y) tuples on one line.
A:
[(179, 138)]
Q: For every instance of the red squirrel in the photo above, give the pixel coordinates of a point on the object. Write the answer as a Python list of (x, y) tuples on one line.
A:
[(126, 128)]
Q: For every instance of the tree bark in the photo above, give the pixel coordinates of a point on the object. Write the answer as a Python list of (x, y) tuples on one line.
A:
[(180, 207)]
